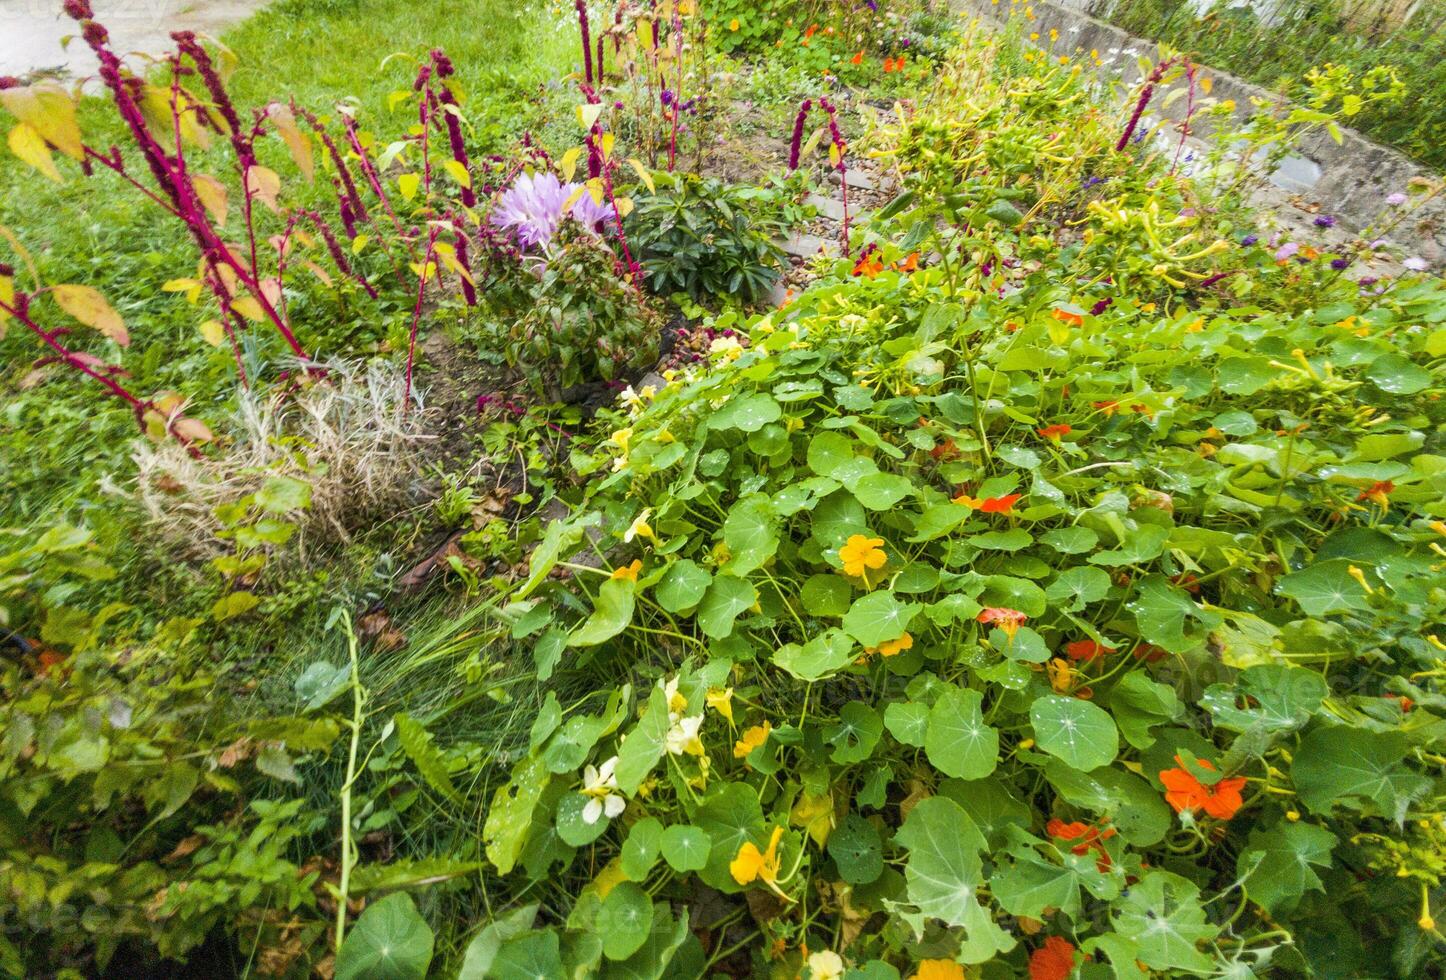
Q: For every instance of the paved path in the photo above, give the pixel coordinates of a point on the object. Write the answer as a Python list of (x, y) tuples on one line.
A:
[(31, 30)]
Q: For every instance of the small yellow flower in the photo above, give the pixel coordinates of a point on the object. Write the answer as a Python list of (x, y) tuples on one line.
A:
[(721, 701), (733, 24), (751, 864), (629, 572), (860, 553), (939, 970), (1061, 675), (640, 528), (892, 648), (752, 739)]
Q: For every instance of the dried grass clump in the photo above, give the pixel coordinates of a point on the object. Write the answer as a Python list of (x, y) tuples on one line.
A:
[(346, 435)]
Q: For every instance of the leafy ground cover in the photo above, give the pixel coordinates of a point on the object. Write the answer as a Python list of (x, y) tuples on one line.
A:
[(1048, 587)]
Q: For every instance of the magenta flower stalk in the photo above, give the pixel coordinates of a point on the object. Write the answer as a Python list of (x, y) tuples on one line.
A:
[(358, 211), (338, 257), (843, 169), (417, 316), (1145, 94), (586, 40), (451, 113), (600, 74), (798, 124), (469, 289), (170, 172)]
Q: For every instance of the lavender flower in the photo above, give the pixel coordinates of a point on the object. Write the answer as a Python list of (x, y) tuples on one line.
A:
[(1249, 240), (1340, 264), (1286, 251), (1396, 200), (589, 213), (1325, 221), (1416, 264), (532, 207)]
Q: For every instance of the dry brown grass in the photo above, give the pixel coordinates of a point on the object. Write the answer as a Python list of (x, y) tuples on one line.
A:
[(345, 435)]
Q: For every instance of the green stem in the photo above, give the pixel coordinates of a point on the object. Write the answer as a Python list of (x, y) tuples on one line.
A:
[(348, 848)]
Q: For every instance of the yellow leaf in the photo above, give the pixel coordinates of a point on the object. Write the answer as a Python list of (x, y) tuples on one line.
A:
[(574, 197), (191, 430), (397, 98), (609, 878), (358, 243), (7, 297), (645, 33), (587, 114), (29, 145), (297, 142), (90, 308), (833, 154), (49, 111), (607, 145), (408, 184), (264, 184), (624, 205), (213, 333), (458, 172), (178, 285), (213, 196), (248, 307), (642, 173), (568, 164), (1206, 84), (595, 188)]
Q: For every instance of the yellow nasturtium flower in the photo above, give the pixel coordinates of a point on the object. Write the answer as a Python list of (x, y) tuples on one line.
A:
[(860, 553), (752, 739), (721, 701), (629, 572), (751, 864)]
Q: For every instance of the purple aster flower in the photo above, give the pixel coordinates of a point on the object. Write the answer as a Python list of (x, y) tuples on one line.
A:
[(666, 98), (590, 213), (1325, 221), (1396, 200), (1286, 251), (1340, 264), (532, 207), (1249, 240)]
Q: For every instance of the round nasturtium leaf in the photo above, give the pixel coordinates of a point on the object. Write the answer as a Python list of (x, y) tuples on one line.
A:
[(1078, 733), (877, 618), (640, 850), (956, 740), (624, 920), (571, 826), (857, 732), (856, 850), (682, 585), (686, 848), (826, 595), (391, 941)]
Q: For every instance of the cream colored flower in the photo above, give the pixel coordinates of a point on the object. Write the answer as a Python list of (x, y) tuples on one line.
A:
[(683, 736), (600, 786), (640, 528), (825, 965)]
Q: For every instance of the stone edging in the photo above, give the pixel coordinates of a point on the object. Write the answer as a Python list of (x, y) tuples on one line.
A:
[(1351, 180)]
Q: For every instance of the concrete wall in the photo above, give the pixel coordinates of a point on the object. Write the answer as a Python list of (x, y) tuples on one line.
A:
[(1350, 180)]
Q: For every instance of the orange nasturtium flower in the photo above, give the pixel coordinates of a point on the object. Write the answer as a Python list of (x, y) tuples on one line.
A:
[(939, 970), (909, 264), (1055, 432), (1184, 792), (1065, 316), (1379, 492), (868, 266), (629, 572), (751, 739), (812, 30), (1109, 408), (860, 553), (1008, 620), (1052, 961), (990, 505), (751, 864), (1086, 650), (858, 58)]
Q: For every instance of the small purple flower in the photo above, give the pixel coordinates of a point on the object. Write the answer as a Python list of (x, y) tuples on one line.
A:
[(1092, 181), (1341, 264), (1325, 221), (666, 98), (1416, 264), (1249, 240), (1286, 251), (1101, 306), (1396, 200), (1366, 281), (618, 105)]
